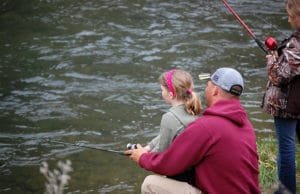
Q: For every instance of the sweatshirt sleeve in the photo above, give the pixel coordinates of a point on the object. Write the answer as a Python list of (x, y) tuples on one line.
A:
[(181, 154), (168, 127), (154, 142)]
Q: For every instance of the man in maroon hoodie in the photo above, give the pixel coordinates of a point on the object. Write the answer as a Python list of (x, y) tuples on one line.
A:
[(220, 146)]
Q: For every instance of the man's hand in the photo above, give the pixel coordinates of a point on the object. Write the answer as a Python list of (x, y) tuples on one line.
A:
[(135, 154)]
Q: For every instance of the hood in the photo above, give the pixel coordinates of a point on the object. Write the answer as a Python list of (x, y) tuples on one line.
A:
[(182, 116), (229, 109)]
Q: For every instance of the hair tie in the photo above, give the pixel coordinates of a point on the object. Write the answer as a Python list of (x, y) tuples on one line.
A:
[(169, 81), (189, 91)]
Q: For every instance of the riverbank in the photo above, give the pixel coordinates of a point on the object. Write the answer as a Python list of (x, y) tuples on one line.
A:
[(267, 148)]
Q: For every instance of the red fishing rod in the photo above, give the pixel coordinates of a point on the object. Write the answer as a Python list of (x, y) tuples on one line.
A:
[(270, 43)]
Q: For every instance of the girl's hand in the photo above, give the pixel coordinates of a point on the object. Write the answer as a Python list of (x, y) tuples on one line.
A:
[(147, 148)]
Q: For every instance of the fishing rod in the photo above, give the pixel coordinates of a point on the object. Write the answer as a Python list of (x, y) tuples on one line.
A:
[(89, 147), (270, 43)]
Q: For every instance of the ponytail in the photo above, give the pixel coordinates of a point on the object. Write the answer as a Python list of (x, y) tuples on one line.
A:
[(193, 104)]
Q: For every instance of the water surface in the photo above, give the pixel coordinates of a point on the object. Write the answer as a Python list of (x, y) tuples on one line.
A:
[(86, 71)]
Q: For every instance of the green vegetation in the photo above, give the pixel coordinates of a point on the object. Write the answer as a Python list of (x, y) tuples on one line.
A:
[(267, 149)]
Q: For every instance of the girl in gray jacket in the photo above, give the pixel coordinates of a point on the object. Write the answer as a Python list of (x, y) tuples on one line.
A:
[(177, 90)]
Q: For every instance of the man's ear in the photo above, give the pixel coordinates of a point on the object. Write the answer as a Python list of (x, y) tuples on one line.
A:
[(215, 90)]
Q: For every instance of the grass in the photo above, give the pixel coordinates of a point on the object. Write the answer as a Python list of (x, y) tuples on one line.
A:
[(267, 149)]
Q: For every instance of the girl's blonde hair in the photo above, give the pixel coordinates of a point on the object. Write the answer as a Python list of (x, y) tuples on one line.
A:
[(293, 7), (182, 83)]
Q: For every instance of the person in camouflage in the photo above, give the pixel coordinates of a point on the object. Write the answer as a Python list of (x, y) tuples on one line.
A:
[(281, 98)]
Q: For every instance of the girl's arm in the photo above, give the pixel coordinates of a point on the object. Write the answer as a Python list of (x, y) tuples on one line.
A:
[(153, 143), (168, 129)]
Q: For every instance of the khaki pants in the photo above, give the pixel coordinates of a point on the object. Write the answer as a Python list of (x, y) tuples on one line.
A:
[(156, 184)]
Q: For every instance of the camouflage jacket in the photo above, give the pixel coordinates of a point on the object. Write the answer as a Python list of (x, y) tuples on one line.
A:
[(281, 71)]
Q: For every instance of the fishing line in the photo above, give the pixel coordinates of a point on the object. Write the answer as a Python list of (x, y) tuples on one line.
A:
[(89, 147), (258, 42), (272, 26)]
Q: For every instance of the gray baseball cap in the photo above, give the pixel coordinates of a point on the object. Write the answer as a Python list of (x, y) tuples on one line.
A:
[(228, 79)]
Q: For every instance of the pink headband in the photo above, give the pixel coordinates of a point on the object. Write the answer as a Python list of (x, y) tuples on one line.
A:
[(169, 81)]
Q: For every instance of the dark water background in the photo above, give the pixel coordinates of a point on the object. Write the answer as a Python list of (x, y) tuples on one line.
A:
[(86, 71)]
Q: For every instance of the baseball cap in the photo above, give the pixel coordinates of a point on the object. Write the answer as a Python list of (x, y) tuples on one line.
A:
[(228, 79)]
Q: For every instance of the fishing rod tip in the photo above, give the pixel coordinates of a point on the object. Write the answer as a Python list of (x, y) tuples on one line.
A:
[(203, 76)]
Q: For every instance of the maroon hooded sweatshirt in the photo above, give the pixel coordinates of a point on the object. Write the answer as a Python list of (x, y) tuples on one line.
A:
[(220, 145)]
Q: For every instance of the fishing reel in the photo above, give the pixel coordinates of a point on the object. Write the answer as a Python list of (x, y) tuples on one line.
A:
[(131, 146), (271, 44)]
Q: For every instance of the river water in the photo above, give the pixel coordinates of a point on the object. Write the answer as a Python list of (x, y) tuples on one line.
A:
[(86, 71)]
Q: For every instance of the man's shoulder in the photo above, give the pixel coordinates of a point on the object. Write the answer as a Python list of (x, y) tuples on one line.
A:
[(211, 122), (205, 122)]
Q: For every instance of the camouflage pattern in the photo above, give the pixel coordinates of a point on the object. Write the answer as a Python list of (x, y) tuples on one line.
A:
[(281, 70)]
